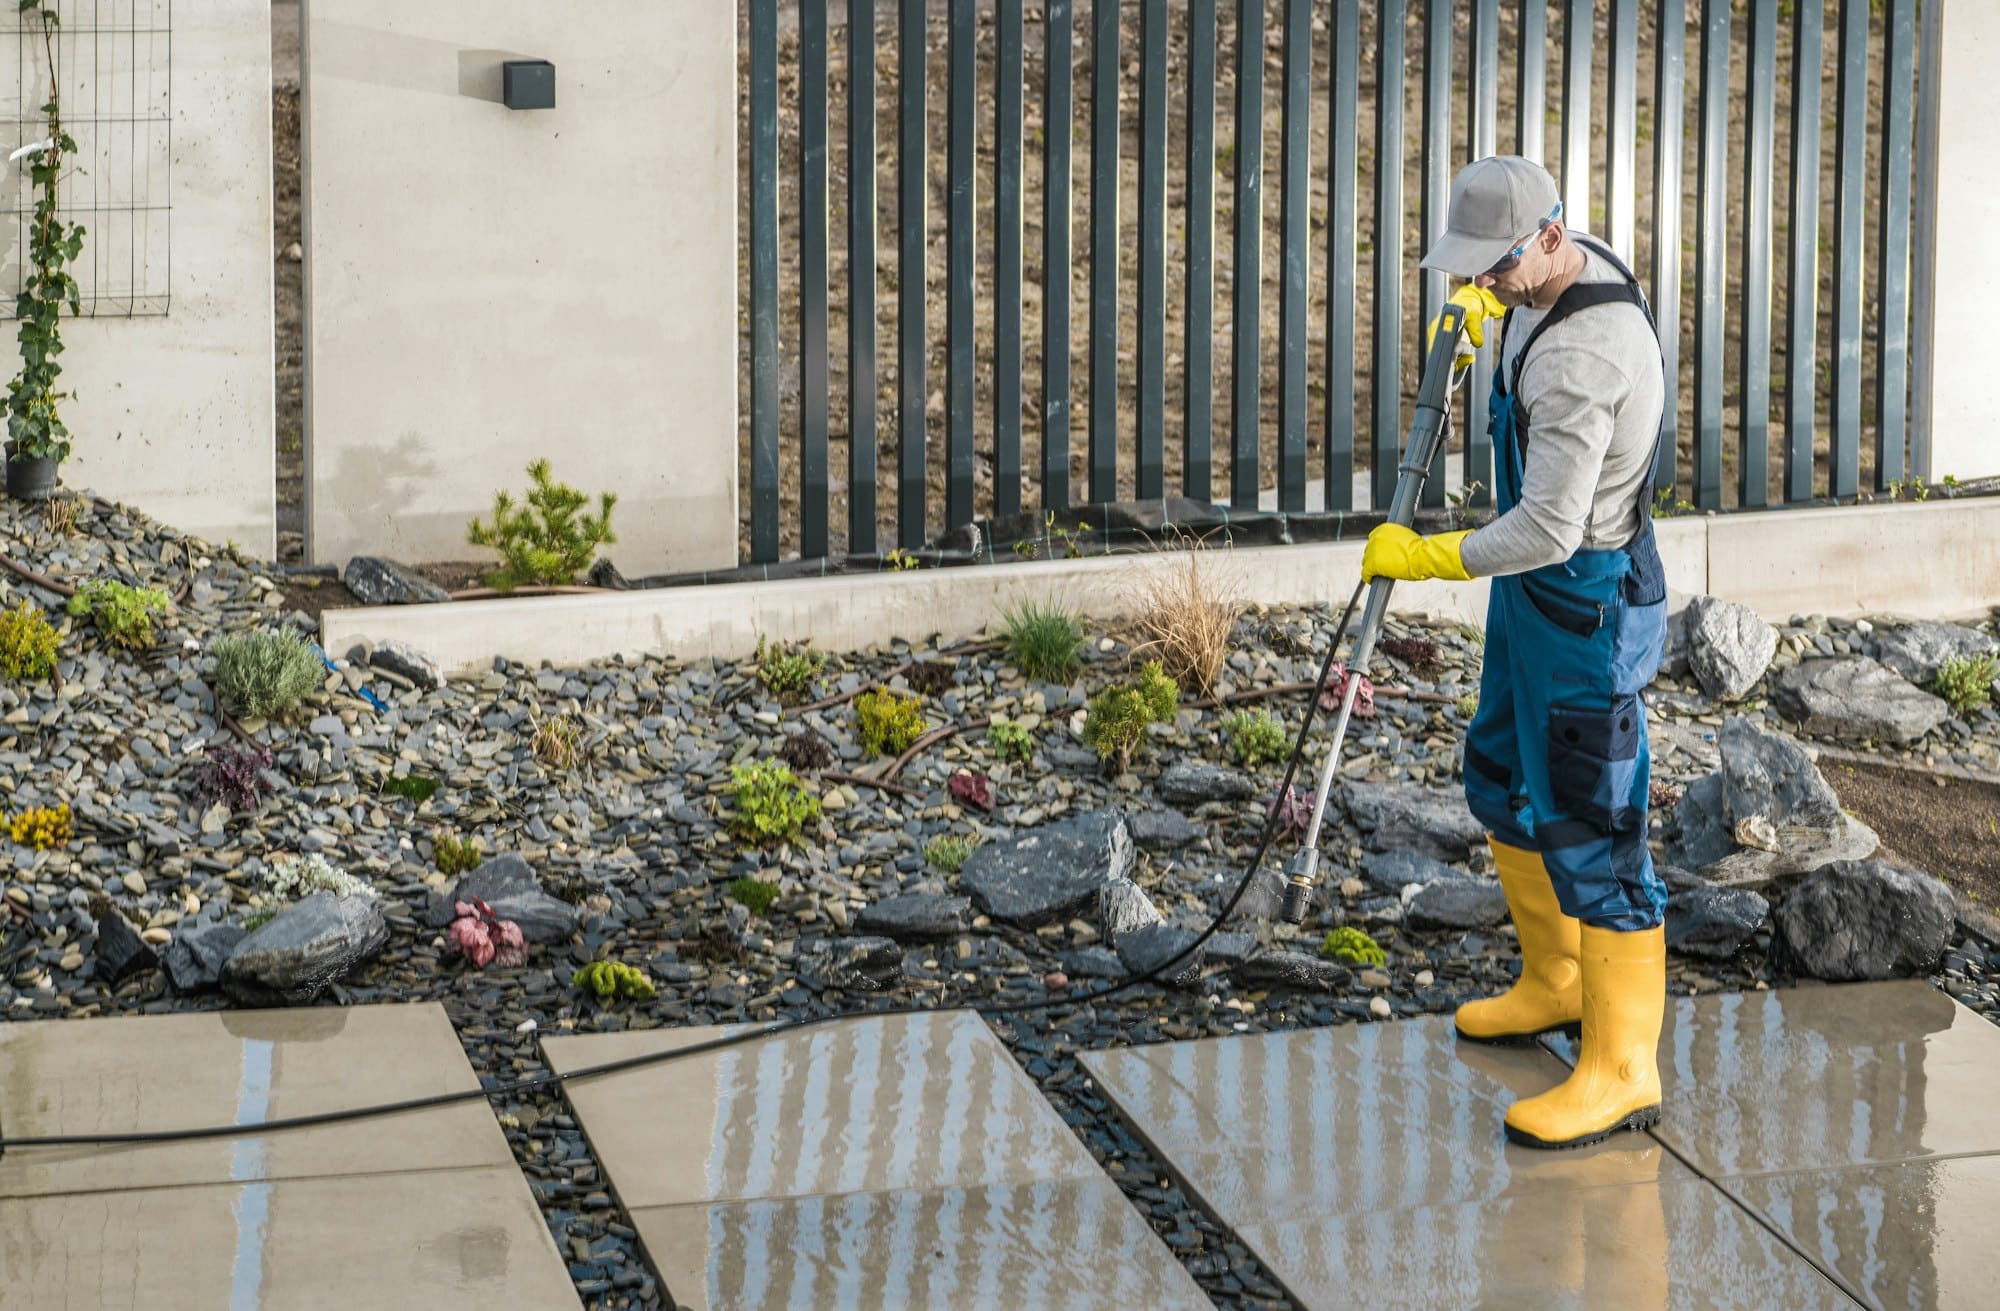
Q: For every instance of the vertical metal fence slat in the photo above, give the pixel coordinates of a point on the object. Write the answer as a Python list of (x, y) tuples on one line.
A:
[(1198, 354), (1579, 27), (1007, 93), (1435, 170), (1342, 184), (1850, 224), (1247, 267), (1802, 300), (1104, 252), (1669, 117), (1485, 130), (961, 183), (813, 396), (1711, 254), (1386, 379), (1531, 98), (1892, 367), (1621, 110), (1754, 365), (1295, 198), (910, 230), (1149, 478), (763, 281), (1059, 44), (861, 276)]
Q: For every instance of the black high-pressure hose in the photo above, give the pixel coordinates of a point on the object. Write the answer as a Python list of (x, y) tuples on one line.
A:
[(1125, 984)]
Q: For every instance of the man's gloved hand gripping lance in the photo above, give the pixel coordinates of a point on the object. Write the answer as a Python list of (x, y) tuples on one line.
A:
[(1426, 438)]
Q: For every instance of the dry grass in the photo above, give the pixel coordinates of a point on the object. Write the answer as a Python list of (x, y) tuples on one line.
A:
[(1186, 611), (558, 743), (59, 515)]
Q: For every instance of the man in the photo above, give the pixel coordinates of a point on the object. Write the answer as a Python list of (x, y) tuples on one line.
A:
[(1556, 757)]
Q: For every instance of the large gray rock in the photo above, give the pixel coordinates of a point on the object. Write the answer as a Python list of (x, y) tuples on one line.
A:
[(1092, 963), (917, 915), (1430, 821), (303, 949), (120, 953), (407, 661), (854, 964), (1048, 873), (1392, 871), (1292, 969), (1457, 904), (1164, 830), (1191, 782), (1715, 923), (507, 883), (1124, 907), (1729, 647), (1915, 651), (1854, 700), (1675, 661), (1864, 919), (1768, 782), (1157, 944), (375, 581), (194, 959)]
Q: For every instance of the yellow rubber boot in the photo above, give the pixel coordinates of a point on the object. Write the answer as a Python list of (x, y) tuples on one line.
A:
[(1549, 993), (1616, 1082)]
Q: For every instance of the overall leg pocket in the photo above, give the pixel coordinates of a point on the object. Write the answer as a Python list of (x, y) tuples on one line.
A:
[(1593, 756)]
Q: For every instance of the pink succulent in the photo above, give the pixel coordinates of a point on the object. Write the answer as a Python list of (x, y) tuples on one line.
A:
[(972, 789), (1335, 690), (486, 939)]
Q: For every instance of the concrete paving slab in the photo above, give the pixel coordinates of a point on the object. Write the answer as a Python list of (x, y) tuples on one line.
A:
[(471, 1239), (1050, 1245), (907, 1102), (1805, 1078), (158, 1072), (1636, 1247), (1912, 1234), (900, 1162), (1351, 1121)]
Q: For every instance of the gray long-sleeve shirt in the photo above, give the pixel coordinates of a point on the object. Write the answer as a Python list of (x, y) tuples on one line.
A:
[(1592, 391)]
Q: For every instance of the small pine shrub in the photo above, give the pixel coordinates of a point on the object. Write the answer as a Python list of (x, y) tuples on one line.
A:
[(124, 614), (1118, 717), (610, 979), (301, 876), (771, 805), (1353, 946), (1008, 740), (754, 894), (1041, 641), (948, 851), (455, 855), (234, 776), (806, 751), (1966, 682), (414, 787), (1255, 737), (788, 676), (889, 723), (546, 540), (42, 827), (27, 643), (263, 675)]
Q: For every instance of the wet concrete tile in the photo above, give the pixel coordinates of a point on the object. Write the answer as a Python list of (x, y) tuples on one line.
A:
[(156, 1072), (470, 1239), (870, 1105), (1803, 1078), (1673, 1246), (1050, 1244), (1915, 1234), (1349, 1121)]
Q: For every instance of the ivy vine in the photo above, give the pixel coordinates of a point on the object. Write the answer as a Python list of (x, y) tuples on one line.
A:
[(33, 420)]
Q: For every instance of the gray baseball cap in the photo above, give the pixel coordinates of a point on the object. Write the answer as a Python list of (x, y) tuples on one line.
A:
[(1495, 202)]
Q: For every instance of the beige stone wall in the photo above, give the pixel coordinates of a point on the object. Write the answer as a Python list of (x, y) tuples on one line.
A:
[(486, 286), (173, 413)]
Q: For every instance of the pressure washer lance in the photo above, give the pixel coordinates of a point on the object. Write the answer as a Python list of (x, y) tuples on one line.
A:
[(1428, 429)]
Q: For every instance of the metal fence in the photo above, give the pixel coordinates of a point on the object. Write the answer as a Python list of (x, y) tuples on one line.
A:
[(1776, 246)]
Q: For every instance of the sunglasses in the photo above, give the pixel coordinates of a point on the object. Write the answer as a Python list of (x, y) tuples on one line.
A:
[(1511, 260)]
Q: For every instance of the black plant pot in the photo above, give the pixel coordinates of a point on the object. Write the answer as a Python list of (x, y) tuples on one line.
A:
[(30, 479)]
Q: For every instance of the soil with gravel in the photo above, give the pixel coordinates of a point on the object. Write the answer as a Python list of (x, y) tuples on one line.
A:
[(1943, 824)]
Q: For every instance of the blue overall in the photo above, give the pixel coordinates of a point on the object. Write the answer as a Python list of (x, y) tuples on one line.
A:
[(1556, 758)]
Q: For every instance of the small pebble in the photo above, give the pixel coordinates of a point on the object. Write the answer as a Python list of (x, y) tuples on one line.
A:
[(1379, 1008)]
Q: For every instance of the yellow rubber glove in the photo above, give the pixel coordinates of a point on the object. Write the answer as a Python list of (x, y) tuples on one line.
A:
[(1479, 305), (1398, 552)]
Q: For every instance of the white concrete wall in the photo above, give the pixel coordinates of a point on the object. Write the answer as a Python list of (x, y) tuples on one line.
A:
[(173, 413), (486, 286), (1964, 415)]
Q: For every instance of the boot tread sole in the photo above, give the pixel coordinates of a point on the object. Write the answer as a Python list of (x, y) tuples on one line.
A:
[(1643, 1118), (1525, 1038)]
